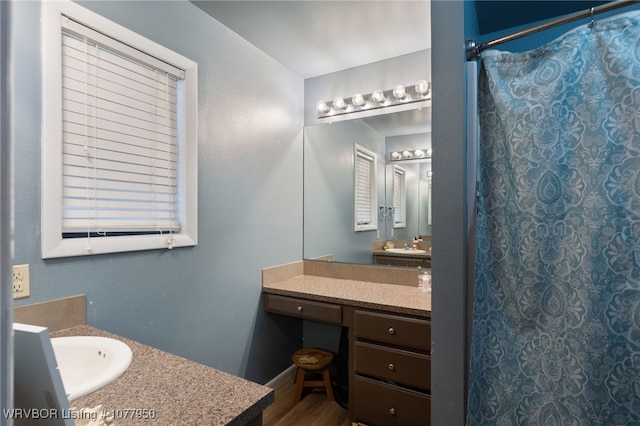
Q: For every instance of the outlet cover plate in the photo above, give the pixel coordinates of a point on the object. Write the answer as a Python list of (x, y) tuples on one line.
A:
[(21, 287)]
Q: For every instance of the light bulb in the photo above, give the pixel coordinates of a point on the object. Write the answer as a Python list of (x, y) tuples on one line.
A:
[(422, 87), (358, 100), (322, 106), (396, 156), (429, 173), (399, 91), (339, 103), (378, 96), (419, 153), (407, 154), (429, 152)]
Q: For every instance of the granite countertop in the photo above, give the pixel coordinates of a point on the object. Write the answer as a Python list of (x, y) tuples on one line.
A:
[(179, 391), (385, 297), (426, 255)]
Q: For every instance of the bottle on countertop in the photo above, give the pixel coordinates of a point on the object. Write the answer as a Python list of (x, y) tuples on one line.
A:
[(424, 281)]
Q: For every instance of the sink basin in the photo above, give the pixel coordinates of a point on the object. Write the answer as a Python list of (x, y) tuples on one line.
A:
[(87, 363), (405, 251)]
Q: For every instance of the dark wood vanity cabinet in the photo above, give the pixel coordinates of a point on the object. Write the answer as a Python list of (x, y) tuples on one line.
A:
[(391, 369), (410, 261), (389, 359)]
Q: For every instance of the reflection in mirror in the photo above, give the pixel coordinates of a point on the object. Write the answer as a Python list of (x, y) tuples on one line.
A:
[(403, 187)]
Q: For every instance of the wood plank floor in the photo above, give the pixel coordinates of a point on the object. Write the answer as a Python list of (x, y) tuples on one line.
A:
[(313, 410)]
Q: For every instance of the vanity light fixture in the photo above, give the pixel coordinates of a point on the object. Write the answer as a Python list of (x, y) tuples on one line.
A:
[(400, 94), (358, 100), (411, 154), (378, 96), (339, 103), (422, 87), (323, 108)]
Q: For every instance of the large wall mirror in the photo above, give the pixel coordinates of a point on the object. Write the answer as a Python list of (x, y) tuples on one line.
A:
[(329, 184)]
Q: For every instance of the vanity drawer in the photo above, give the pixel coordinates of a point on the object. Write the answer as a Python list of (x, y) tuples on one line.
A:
[(303, 308), (394, 329), (380, 404), (408, 368)]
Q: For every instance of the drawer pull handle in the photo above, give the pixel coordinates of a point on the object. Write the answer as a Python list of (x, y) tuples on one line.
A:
[(392, 331), (299, 308), (392, 411), (392, 367)]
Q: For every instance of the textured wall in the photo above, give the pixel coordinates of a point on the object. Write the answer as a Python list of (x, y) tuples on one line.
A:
[(203, 303)]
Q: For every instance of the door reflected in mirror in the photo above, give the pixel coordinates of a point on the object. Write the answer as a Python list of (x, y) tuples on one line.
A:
[(403, 187)]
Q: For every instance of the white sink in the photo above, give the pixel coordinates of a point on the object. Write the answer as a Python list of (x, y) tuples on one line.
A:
[(405, 251), (87, 363)]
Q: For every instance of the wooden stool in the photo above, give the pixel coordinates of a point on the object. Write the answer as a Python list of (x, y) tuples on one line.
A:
[(312, 359)]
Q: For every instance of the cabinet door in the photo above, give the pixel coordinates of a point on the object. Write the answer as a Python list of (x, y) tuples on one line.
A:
[(411, 262), (389, 260), (381, 404), (414, 263)]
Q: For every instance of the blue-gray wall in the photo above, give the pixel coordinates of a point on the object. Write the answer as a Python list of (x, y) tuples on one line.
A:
[(449, 238), (6, 317), (203, 303)]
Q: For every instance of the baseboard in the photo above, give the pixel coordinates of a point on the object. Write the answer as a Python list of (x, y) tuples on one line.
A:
[(282, 378)]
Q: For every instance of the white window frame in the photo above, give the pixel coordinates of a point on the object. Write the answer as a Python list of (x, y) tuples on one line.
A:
[(53, 245), (370, 186), (399, 216)]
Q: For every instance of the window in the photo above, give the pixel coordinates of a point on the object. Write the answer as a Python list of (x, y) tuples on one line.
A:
[(399, 198), (119, 138), (365, 193)]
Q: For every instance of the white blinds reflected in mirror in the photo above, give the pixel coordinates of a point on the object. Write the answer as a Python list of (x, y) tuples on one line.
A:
[(399, 197), (365, 189)]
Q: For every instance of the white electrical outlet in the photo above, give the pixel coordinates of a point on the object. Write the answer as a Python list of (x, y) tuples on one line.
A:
[(21, 281)]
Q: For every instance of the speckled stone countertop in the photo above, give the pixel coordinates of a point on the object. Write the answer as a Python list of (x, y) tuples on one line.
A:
[(426, 255), (179, 391), (364, 294)]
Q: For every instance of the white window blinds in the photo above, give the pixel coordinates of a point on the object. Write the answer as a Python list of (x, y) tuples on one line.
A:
[(399, 198), (365, 190), (119, 136)]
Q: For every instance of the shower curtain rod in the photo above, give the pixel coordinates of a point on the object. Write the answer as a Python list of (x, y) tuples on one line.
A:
[(474, 51)]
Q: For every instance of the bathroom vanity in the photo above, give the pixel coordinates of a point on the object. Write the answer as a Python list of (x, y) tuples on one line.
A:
[(389, 341)]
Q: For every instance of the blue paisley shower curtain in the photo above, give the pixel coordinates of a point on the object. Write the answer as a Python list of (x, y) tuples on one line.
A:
[(556, 320)]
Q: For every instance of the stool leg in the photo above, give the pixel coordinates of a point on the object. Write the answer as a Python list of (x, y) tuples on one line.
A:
[(327, 384), (299, 385)]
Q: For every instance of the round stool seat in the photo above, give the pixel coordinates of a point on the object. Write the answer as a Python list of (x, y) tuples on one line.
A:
[(312, 359), (309, 360)]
